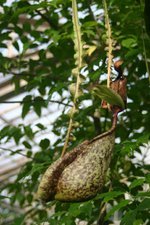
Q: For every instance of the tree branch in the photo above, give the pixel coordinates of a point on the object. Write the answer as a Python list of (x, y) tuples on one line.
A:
[(16, 152), (22, 102), (47, 19)]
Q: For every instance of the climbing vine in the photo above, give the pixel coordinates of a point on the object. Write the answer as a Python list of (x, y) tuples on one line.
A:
[(76, 70), (109, 42)]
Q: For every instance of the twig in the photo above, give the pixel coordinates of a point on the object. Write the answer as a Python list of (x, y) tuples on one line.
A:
[(32, 101), (46, 18), (16, 152), (53, 25)]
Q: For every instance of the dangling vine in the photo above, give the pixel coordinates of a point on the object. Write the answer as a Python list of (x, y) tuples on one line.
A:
[(109, 43), (76, 70)]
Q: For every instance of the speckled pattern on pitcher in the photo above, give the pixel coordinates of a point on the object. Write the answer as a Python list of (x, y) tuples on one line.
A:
[(80, 174)]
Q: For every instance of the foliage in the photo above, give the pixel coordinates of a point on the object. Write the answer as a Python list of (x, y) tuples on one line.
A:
[(51, 72), (109, 96)]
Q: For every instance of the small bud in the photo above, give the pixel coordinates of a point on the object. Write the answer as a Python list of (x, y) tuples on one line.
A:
[(72, 138), (71, 112), (72, 88), (76, 124), (97, 113), (75, 72)]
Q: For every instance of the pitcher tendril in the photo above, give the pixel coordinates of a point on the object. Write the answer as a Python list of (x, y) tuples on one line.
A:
[(76, 70)]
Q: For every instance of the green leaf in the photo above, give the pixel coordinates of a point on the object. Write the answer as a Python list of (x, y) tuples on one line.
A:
[(129, 42), (143, 138), (41, 126), (16, 133), (38, 104), (86, 208), (29, 171), (28, 131), (29, 153), (110, 195), (145, 204), (44, 143), (109, 95), (26, 144), (129, 218), (18, 220), (143, 194), (138, 222), (29, 198), (5, 132), (26, 105), (137, 182), (16, 45), (148, 178), (128, 147), (74, 209), (3, 197), (37, 108), (117, 207)]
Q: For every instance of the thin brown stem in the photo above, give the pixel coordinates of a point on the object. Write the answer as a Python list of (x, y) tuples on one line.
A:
[(111, 130), (32, 101), (16, 152)]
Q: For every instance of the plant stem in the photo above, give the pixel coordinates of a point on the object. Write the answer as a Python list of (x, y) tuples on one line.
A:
[(76, 71), (108, 42)]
